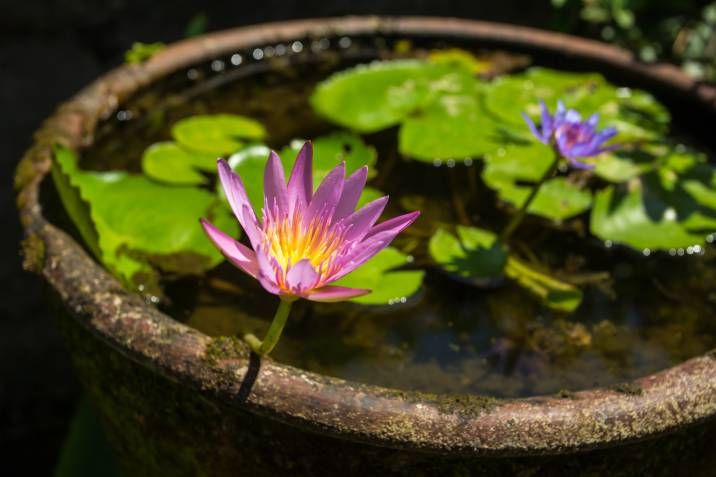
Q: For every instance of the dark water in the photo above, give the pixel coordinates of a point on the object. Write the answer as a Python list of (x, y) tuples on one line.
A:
[(639, 314)]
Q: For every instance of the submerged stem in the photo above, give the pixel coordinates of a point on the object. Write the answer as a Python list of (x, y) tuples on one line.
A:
[(517, 219), (262, 348)]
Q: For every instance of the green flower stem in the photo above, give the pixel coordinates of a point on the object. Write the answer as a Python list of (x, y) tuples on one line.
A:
[(517, 219), (263, 348)]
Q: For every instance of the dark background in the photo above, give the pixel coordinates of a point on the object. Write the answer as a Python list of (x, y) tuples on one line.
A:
[(48, 51)]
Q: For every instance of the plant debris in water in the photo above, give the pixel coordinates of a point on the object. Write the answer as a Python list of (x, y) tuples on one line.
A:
[(607, 278)]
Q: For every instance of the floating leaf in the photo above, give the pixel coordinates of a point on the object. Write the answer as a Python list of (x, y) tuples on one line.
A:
[(557, 199), (218, 135), (552, 292), (140, 225), (475, 255), (636, 114), (658, 210), (168, 162), (368, 98), (377, 274), (328, 152)]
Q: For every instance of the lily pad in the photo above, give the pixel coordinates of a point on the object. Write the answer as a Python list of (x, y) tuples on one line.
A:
[(328, 151), (510, 166), (141, 226), (368, 98), (217, 135), (476, 255), (636, 114), (168, 162), (657, 211), (389, 286)]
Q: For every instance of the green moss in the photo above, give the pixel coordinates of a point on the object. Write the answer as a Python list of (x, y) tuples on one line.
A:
[(628, 388), (33, 251), (225, 347), (566, 394)]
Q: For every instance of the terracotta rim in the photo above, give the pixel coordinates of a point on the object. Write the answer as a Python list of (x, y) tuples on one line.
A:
[(659, 403)]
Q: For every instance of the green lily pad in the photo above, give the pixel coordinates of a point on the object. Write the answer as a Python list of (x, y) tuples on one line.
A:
[(378, 274), (636, 114), (368, 98), (328, 151), (553, 293), (557, 199), (657, 211), (168, 162), (217, 135), (476, 255), (140, 226)]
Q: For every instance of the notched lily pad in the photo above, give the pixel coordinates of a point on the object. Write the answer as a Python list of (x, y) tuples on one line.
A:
[(168, 162), (510, 167), (658, 211), (475, 255), (140, 226), (218, 134), (389, 286)]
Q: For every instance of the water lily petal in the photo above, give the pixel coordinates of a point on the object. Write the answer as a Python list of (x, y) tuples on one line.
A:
[(328, 193), (396, 224), (300, 183), (236, 252), (238, 200), (275, 191), (336, 293), (533, 127), (352, 189), (363, 219), (301, 276)]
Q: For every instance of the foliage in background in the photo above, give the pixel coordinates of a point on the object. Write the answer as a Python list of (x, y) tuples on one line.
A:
[(679, 31)]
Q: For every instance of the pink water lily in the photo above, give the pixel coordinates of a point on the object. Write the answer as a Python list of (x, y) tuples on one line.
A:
[(306, 240)]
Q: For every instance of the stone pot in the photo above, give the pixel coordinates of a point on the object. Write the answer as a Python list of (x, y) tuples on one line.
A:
[(177, 402)]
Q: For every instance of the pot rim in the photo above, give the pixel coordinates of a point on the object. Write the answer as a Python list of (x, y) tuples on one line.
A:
[(665, 401)]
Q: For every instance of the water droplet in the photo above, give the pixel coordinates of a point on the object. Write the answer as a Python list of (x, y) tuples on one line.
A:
[(269, 51), (670, 214), (403, 299), (236, 59), (698, 249), (437, 162), (297, 46), (344, 42), (680, 252), (281, 50), (710, 238), (409, 259), (258, 54), (468, 161), (124, 115), (391, 302), (154, 299), (450, 163), (608, 243), (623, 92), (646, 252), (690, 250), (192, 74), (217, 65), (672, 252)]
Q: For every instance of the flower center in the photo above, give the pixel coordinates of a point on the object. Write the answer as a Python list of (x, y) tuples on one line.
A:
[(288, 240), (573, 134)]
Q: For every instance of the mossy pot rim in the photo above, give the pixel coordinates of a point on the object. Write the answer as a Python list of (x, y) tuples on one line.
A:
[(223, 369)]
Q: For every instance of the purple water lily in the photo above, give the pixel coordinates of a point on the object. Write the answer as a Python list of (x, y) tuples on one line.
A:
[(573, 137), (306, 240)]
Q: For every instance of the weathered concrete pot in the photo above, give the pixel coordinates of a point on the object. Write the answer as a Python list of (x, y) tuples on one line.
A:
[(177, 402)]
